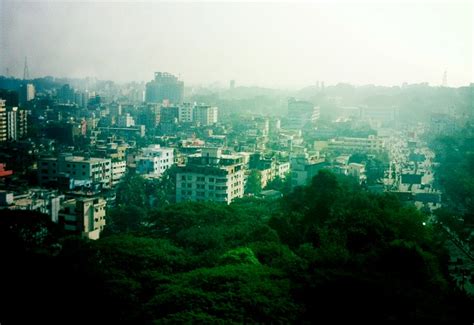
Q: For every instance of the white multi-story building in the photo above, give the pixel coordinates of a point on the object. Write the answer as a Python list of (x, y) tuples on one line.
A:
[(210, 176), (16, 123), (205, 115), (84, 215), (154, 160), (3, 121), (118, 170), (348, 145), (81, 169), (186, 113)]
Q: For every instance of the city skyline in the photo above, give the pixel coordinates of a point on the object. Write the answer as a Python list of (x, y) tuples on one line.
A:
[(256, 44)]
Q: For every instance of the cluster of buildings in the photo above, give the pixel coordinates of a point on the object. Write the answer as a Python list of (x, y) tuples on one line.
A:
[(87, 140)]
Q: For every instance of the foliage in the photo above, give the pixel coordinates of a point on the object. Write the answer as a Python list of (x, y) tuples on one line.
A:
[(254, 182), (327, 251)]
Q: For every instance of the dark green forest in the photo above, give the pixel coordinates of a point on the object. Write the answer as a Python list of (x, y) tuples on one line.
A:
[(326, 252)]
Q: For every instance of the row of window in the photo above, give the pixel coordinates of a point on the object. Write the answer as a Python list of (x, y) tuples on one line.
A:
[(203, 194)]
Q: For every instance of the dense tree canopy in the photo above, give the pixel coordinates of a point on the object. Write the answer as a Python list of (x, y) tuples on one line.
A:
[(328, 251)]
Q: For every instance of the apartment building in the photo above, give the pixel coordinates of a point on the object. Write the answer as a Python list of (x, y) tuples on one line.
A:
[(84, 215), (154, 160), (80, 170), (210, 176)]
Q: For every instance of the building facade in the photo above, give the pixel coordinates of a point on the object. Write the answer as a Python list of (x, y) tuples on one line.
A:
[(154, 160), (164, 87), (84, 215), (205, 115), (80, 170), (210, 176)]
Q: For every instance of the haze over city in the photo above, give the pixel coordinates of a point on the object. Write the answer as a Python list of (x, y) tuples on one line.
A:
[(259, 44), (303, 162)]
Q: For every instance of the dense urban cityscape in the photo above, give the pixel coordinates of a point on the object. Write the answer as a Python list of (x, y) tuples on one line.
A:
[(168, 202)]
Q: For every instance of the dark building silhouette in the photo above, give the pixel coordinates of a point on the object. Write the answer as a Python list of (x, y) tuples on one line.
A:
[(165, 87)]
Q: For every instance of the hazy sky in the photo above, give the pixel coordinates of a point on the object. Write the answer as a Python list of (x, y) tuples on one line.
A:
[(266, 44)]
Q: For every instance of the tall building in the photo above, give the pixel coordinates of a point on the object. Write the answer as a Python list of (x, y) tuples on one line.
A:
[(165, 86), (16, 123), (301, 114), (186, 113), (205, 115), (27, 93), (210, 176), (66, 94), (3, 121), (150, 115), (169, 119)]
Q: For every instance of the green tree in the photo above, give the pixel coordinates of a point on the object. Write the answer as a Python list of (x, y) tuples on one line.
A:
[(131, 191), (254, 182)]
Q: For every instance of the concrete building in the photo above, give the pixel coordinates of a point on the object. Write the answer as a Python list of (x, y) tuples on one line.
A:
[(150, 115), (84, 215), (301, 114), (169, 119), (165, 86), (186, 113), (154, 160), (304, 167), (205, 115), (27, 93), (268, 168), (3, 121), (80, 170), (17, 126), (357, 171), (118, 170), (44, 201), (350, 145), (210, 176)]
